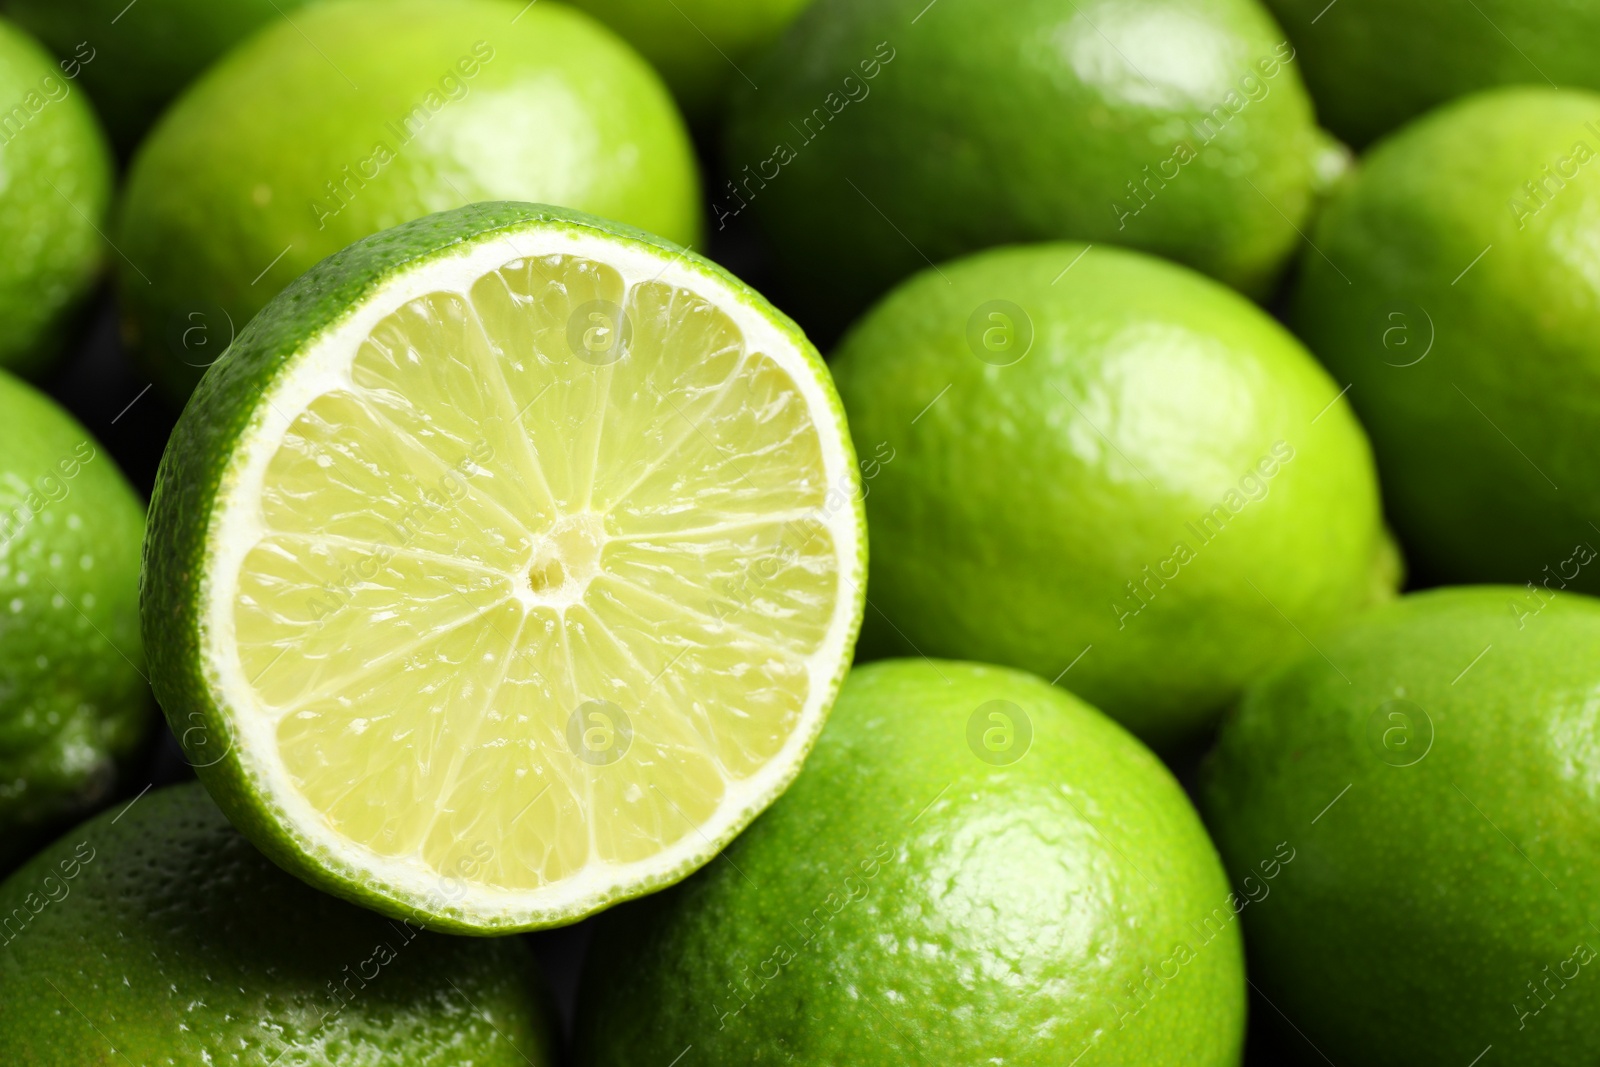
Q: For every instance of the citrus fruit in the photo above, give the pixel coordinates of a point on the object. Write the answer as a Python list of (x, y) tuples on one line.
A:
[(359, 115), (157, 934), (1433, 769), (928, 893), (890, 134), (1107, 470), (1462, 306), (73, 700), (1374, 64), (512, 538), (133, 58), (55, 187), (701, 47)]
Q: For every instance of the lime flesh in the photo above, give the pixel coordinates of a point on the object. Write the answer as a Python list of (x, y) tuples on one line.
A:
[(545, 539)]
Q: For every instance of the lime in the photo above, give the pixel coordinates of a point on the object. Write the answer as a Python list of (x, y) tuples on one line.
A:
[(890, 134), (360, 115), (701, 47), (134, 58), (1462, 306), (508, 539), (158, 934), (1110, 471), (55, 187), (1374, 64), (73, 700), (975, 867), (1434, 771)]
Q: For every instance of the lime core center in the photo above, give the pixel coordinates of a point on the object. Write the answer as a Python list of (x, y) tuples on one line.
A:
[(564, 561)]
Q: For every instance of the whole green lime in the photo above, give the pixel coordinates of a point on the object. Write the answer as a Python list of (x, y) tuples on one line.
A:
[(890, 134), (1434, 769), (1374, 64), (1462, 306), (73, 699), (701, 47), (1110, 471), (363, 114), (55, 187), (132, 59), (974, 867), (158, 934)]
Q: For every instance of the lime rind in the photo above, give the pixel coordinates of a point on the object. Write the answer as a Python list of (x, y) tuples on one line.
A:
[(293, 353)]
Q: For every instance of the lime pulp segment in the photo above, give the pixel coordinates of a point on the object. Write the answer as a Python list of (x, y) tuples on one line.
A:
[(534, 576)]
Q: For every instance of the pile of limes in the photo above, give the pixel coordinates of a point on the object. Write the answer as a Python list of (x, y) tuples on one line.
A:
[(1158, 633)]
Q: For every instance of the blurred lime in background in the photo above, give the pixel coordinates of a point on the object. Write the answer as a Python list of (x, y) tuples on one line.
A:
[(1457, 292), (701, 47), (73, 699), (888, 134), (55, 187), (1374, 64), (135, 57), (363, 114)]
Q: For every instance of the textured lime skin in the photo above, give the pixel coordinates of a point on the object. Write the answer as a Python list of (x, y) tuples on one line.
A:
[(140, 57), (1473, 439), (181, 945), (907, 901), (1018, 502), (1460, 857), (251, 162), (73, 701), (988, 124), (191, 479), (701, 47), (48, 138), (1374, 64)]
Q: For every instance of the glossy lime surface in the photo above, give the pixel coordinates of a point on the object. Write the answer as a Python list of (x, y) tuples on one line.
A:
[(701, 47), (974, 867), (1434, 770), (363, 114), (890, 134), (156, 934), (1372, 65), (133, 59), (73, 699), (1110, 471), (1461, 304), (55, 187)]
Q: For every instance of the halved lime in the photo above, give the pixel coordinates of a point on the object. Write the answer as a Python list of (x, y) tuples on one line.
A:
[(506, 567)]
